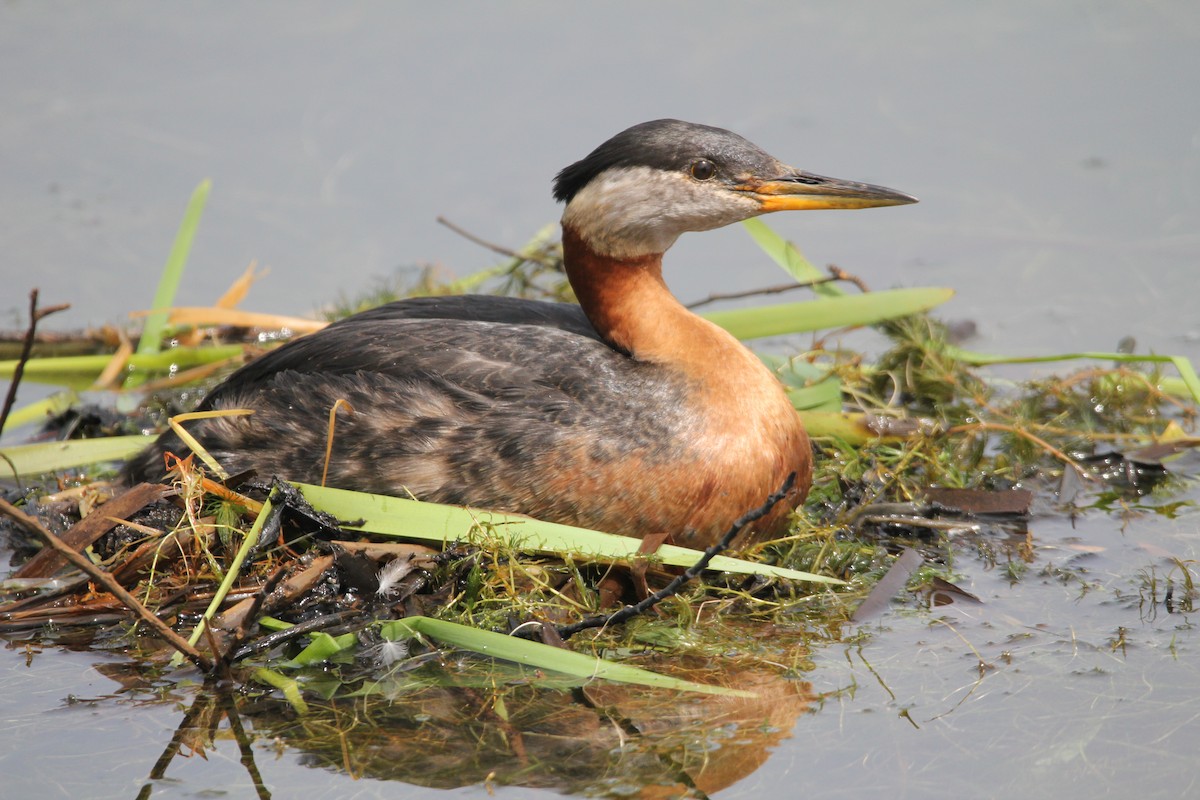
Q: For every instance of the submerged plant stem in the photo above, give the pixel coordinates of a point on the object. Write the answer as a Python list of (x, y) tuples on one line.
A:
[(1017, 431)]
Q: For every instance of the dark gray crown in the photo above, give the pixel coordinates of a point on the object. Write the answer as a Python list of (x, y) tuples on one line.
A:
[(666, 144)]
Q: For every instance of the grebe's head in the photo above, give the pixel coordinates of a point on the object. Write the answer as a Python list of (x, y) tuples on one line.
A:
[(636, 193)]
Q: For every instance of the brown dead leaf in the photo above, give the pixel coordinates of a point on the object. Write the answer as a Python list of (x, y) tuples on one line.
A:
[(87, 530), (1015, 502)]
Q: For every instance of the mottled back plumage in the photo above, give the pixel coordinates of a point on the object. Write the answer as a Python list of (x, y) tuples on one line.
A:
[(463, 423)]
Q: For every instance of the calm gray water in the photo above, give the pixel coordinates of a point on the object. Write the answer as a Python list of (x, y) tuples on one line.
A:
[(1055, 148)]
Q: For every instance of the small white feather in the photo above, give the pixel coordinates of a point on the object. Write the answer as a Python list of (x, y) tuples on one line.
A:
[(392, 573)]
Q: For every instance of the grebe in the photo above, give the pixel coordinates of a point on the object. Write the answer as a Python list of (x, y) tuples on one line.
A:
[(627, 413)]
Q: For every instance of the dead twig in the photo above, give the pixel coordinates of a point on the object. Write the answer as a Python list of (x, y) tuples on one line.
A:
[(270, 640), (836, 275), (495, 248), (35, 314), (104, 579), (691, 572), (766, 290), (60, 343), (839, 274), (256, 603), (243, 616)]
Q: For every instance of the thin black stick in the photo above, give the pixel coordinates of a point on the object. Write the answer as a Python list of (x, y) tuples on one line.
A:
[(677, 583), (836, 274), (496, 248), (26, 349), (270, 640), (251, 616), (777, 289)]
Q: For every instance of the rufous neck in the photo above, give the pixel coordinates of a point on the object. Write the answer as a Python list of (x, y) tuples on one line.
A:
[(626, 300)]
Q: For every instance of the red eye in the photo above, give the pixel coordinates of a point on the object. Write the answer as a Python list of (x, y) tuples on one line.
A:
[(703, 169)]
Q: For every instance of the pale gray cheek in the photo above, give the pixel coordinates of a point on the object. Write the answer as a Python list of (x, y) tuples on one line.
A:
[(611, 232), (640, 212)]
